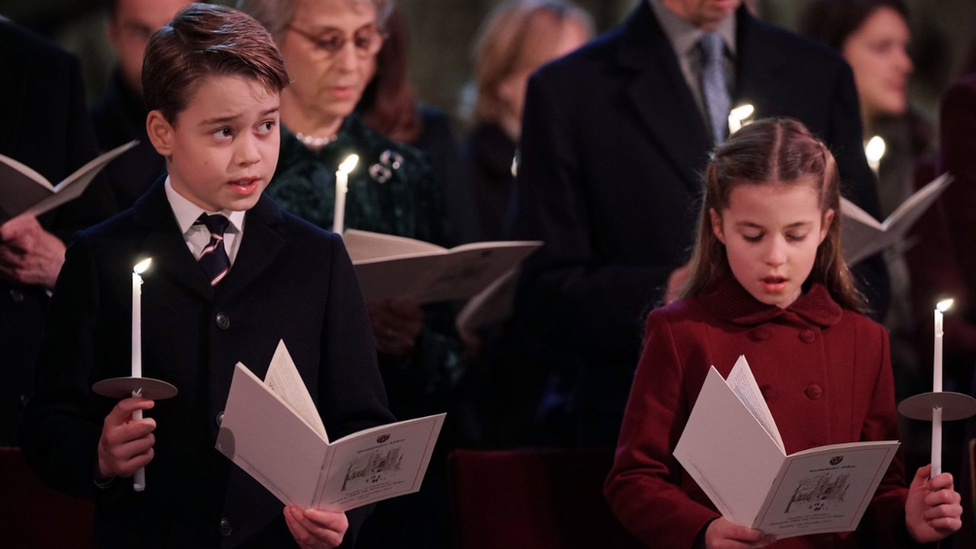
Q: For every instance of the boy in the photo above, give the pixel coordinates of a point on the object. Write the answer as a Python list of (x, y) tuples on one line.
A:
[(212, 80)]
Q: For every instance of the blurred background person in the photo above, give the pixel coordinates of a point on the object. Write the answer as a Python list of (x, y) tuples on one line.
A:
[(874, 38), (119, 115), (330, 48), (517, 38), (43, 99), (389, 107)]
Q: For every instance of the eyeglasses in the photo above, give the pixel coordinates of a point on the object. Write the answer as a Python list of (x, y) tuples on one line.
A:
[(366, 41)]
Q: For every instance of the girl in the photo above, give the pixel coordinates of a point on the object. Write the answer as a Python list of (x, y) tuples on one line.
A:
[(767, 280)]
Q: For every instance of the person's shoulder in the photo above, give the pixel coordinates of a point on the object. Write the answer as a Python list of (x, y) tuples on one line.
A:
[(802, 49), (685, 310), (380, 145), (588, 58)]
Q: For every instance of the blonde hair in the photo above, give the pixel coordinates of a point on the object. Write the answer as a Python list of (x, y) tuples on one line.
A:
[(517, 35), (782, 151)]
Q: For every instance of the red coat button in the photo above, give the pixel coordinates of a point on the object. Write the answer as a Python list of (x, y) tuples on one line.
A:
[(762, 333), (768, 391), (814, 392), (807, 336)]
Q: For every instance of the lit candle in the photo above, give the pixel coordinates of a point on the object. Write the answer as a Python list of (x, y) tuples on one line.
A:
[(342, 187), (941, 307), (874, 150), (739, 117), (139, 481), (137, 316)]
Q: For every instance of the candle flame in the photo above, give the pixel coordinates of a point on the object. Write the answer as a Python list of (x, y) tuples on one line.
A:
[(349, 164), (142, 266), (875, 150), (739, 116), (944, 305)]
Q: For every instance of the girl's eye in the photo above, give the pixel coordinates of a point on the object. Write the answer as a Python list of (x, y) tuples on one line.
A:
[(796, 237), (752, 238)]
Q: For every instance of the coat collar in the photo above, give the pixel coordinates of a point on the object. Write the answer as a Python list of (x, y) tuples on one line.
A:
[(260, 244), (731, 302)]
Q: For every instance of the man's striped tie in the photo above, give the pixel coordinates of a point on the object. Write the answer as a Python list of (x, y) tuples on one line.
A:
[(214, 258)]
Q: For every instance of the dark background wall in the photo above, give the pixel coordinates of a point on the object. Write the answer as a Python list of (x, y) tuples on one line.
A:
[(442, 32)]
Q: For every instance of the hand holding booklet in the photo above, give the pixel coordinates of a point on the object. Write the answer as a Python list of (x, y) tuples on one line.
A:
[(398, 267), (272, 430), (752, 481)]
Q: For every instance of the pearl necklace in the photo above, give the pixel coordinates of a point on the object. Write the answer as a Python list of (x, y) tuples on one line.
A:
[(315, 142)]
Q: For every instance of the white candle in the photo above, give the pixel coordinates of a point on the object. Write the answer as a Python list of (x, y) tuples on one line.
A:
[(937, 388), (139, 481), (342, 187), (137, 316)]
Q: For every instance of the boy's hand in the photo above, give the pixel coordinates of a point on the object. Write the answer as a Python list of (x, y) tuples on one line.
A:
[(28, 253), (932, 510), (126, 445), (722, 534), (314, 529), (396, 326)]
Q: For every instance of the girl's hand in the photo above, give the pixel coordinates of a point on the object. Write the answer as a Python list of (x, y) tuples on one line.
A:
[(722, 534), (314, 529), (932, 510)]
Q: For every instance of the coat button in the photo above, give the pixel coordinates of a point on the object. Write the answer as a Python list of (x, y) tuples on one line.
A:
[(220, 418), (807, 336), (225, 527), (814, 392), (223, 321), (762, 333), (17, 296), (768, 391)]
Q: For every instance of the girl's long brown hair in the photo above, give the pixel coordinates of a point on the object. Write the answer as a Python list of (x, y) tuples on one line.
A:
[(778, 151)]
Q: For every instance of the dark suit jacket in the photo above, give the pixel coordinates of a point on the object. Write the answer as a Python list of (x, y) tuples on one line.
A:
[(825, 373), (43, 104), (289, 281), (611, 154), (958, 142)]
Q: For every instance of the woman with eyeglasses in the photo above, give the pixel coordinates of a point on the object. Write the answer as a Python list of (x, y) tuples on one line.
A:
[(330, 48)]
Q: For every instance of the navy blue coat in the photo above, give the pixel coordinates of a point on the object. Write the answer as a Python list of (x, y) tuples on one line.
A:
[(289, 281)]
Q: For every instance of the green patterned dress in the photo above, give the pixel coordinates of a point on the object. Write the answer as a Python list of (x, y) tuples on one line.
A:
[(391, 191)]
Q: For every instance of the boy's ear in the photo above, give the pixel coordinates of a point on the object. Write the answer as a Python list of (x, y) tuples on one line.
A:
[(160, 133), (828, 218), (716, 225)]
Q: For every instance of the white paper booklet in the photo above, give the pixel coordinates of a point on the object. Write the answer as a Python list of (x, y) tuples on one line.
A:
[(272, 430), (23, 190), (863, 236), (397, 267), (752, 481)]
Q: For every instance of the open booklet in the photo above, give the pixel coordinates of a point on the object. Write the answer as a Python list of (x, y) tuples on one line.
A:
[(863, 236), (272, 430), (752, 481), (23, 190), (491, 305), (398, 267)]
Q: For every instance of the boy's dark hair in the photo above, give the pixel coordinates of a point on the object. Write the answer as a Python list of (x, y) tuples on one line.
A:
[(206, 40)]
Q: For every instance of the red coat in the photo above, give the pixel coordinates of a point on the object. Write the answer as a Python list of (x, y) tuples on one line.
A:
[(824, 371)]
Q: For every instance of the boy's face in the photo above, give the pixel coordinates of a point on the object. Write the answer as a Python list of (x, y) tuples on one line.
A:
[(222, 149)]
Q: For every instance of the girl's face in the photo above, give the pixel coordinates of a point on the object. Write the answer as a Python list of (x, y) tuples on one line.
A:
[(878, 54), (771, 233)]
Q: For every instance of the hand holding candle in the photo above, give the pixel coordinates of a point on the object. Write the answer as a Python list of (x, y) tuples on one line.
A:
[(342, 187)]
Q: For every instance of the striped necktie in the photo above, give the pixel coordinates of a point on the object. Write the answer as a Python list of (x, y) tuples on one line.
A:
[(718, 102), (214, 258)]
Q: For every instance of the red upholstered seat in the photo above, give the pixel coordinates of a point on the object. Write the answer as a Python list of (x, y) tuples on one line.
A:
[(534, 499), (35, 516)]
